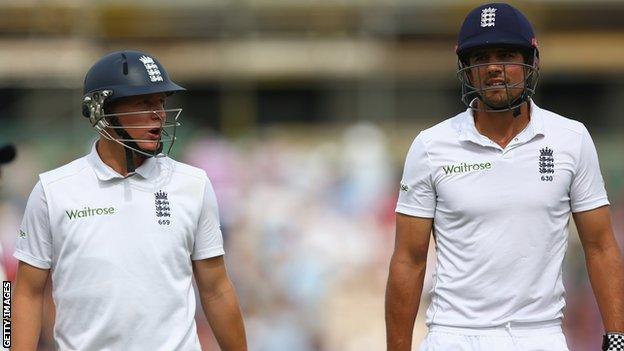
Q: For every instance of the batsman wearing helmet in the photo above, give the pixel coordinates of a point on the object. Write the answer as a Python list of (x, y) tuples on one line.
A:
[(123, 230), (497, 184)]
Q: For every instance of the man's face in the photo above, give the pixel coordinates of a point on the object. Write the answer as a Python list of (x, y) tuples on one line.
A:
[(499, 75), (145, 127)]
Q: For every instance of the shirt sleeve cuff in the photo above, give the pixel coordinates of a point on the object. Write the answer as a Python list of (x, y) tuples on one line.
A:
[(208, 253), (415, 211), (35, 262), (589, 204)]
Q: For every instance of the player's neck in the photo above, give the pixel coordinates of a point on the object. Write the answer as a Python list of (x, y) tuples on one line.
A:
[(501, 127), (114, 156)]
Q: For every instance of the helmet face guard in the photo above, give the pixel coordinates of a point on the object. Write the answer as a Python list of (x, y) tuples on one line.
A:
[(473, 88), (125, 74), (497, 25), (105, 123)]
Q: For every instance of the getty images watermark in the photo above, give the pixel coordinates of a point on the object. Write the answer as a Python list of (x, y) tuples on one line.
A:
[(6, 314)]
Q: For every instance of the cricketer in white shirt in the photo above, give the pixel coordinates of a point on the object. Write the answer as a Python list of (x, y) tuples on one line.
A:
[(500, 215), (120, 250)]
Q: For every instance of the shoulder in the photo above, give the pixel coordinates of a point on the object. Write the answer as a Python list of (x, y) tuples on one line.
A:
[(195, 180), (72, 169), (443, 131), (186, 171), (556, 123)]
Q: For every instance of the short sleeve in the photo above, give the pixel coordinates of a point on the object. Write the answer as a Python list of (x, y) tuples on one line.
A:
[(34, 240), (587, 191), (208, 238), (417, 195)]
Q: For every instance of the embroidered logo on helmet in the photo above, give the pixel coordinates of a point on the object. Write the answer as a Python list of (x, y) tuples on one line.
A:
[(488, 17), (151, 68)]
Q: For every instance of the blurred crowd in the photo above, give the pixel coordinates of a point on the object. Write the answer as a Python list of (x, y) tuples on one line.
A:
[(308, 224)]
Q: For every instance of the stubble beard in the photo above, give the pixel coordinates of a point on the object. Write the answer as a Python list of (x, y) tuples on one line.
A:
[(500, 98)]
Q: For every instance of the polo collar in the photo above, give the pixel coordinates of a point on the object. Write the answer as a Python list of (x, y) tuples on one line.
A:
[(105, 173), (468, 131)]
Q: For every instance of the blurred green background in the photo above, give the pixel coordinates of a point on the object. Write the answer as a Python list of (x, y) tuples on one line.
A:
[(301, 112)]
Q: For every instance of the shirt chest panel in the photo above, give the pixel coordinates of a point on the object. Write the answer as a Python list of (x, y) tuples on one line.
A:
[(476, 181), (123, 223)]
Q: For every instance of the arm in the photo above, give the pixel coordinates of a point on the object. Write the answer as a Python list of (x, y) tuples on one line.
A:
[(604, 265), (27, 307), (405, 279), (220, 303)]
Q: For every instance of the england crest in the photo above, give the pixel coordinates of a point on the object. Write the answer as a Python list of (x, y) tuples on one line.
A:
[(163, 209), (546, 164)]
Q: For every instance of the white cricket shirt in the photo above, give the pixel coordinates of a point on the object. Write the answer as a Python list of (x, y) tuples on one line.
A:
[(120, 251), (500, 215)]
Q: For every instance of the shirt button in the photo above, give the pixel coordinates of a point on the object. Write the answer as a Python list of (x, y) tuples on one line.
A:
[(516, 139)]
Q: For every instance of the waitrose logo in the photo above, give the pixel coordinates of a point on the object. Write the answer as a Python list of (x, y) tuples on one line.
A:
[(88, 212), (466, 167)]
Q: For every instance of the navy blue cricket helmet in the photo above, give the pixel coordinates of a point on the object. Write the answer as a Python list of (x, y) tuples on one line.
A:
[(497, 25), (124, 74), (127, 73)]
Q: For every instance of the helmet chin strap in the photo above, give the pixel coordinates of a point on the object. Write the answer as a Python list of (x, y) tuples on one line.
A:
[(130, 166), (130, 154), (515, 111)]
